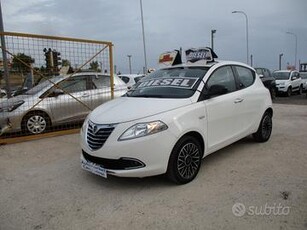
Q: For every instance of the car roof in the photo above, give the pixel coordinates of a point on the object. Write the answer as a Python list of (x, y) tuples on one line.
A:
[(209, 64)]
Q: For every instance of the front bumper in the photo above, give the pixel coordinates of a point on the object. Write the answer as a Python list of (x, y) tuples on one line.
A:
[(10, 122), (140, 157), (281, 88)]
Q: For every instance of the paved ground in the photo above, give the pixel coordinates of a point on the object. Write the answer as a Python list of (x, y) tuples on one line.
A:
[(43, 187), (294, 99)]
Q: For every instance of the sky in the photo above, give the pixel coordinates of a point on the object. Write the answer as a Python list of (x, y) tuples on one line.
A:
[(169, 25)]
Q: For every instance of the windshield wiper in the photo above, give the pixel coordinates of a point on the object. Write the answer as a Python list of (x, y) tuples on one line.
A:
[(147, 96)]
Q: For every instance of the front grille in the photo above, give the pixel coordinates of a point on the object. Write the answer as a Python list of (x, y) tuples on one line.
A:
[(116, 164), (97, 135)]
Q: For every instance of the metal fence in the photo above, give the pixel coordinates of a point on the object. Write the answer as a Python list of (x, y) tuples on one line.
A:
[(51, 83)]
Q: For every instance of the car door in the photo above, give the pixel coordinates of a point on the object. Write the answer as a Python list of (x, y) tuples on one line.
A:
[(251, 97), (74, 103), (295, 81), (222, 110), (102, 93)]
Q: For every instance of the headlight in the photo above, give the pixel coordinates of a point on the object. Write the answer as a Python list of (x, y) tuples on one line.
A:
[(143, 129), (282, 83), (11, 107), (84, 125)]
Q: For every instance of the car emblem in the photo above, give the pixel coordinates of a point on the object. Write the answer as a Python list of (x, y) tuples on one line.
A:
[(95, 129)]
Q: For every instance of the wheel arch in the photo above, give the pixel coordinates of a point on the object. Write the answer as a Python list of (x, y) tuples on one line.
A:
[(198, 137), (270, 111), (36, 112)]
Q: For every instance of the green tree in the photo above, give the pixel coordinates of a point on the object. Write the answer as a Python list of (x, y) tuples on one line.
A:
[(21, 62), (94, 66), (66, 62)]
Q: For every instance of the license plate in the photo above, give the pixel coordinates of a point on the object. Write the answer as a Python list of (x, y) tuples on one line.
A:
[(94, 168)]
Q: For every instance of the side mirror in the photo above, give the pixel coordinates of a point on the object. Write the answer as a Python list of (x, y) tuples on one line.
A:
[(56, 92), (293, 78), (216, 90), (260, 75)]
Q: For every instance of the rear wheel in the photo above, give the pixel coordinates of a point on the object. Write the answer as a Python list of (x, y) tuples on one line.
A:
[(264, 131), (273, 93), (185, 160), (289, 92), (35, 123)]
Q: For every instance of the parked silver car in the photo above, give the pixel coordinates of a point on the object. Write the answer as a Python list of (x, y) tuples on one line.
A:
[(60, 100)]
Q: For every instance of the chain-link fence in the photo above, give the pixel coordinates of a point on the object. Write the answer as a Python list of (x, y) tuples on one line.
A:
[(52, 83)]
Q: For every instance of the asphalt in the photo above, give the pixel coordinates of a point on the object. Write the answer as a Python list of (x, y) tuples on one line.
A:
[(246, 185)]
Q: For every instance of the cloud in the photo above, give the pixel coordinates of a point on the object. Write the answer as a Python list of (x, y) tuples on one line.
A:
[(169, 25)]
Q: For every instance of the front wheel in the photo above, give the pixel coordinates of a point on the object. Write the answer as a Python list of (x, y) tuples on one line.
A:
[(35, 123), (264, 131), (300, 91), (289, 92), (185, 160)]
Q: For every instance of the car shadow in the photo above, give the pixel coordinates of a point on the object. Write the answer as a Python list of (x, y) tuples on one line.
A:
[(161, 181)]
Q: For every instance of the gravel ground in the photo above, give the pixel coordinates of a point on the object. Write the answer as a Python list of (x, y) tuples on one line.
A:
[(244, 186)]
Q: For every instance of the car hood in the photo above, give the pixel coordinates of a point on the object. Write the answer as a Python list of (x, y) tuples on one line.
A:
[(125, 109), (13, 100)]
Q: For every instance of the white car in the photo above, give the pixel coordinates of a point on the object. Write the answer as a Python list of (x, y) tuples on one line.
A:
[(173, 118), (131, 79), (304, 80), (288, 81)]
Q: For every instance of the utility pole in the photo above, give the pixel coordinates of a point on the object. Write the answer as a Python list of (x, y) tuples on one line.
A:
[(212, 38), (252, 60), (129, 59), (280, 56), (143, 33)]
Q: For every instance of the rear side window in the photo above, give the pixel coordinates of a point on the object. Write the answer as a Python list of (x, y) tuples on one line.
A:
[(246, 76), (223, 77)]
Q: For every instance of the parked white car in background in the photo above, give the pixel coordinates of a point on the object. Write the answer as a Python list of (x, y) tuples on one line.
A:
[(131, 79), (304, 80), (174, 117), (288, 81)]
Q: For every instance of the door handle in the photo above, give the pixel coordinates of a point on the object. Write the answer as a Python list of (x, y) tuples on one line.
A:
[(238, 100), (85, 95)]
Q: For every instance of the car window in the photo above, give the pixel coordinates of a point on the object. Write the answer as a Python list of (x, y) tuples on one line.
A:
[(223, 77), (74, 84), (136, 79), (125, 79), (246, 76), (102, 81)]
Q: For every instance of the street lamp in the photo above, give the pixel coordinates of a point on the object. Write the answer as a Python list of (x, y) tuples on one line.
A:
[(247, 51), (129, 57), (143, 32), (280, 56), (295, 46), (212, 36)]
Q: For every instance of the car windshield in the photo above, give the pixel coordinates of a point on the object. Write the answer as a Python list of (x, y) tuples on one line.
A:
[(179, 82), (36, 89), (281, 75)]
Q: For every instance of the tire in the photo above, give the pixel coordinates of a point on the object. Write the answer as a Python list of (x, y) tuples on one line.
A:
[(273, 93), (35, 123), (264, 131), (289, 92), (185, 160), (300, 91)]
